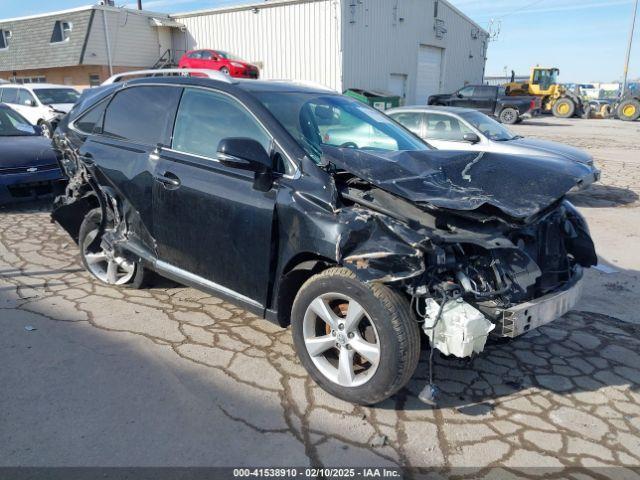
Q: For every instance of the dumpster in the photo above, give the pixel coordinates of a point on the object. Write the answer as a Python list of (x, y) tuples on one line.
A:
[(377, 99)]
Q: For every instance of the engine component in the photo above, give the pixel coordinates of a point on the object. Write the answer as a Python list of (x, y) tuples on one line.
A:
[(461, 330)]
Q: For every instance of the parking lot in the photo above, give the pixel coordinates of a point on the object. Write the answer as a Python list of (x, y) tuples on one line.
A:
[(171, 376)]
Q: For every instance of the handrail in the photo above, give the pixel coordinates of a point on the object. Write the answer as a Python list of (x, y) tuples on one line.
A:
[(211, 74)]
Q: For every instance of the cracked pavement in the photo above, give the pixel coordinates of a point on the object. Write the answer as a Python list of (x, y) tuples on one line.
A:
[(170, 376)]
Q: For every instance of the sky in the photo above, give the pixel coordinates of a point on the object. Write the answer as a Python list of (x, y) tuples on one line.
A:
[(586, 39)]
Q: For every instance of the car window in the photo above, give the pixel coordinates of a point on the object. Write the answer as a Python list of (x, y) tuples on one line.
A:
[(25, 96), (409, 120), (466, 92), (445, 127), (488, 126), (205, 118), (484, 92), (10, 95), (206, 56), (14, 125), (195, 55), (91, 122), (142, 114), (56, 95)]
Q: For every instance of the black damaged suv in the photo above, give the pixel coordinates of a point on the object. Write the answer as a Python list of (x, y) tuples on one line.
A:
[(312, 209)]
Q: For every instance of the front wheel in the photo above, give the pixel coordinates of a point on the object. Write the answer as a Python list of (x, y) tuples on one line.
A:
[(509, 116), (564, 108), (102, 263), (358, 341)]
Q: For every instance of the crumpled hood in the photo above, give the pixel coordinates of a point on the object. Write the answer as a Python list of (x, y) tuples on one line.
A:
[(517, 185), (546, 147), (27, 151)]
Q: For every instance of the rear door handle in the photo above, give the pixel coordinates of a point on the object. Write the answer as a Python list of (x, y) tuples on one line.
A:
[(169, 180)]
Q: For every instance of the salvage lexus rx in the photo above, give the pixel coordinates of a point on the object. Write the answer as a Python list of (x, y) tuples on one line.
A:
[(257, 192)]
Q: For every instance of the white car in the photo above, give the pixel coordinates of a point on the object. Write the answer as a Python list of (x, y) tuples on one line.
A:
[(454, 128), (42, 104)]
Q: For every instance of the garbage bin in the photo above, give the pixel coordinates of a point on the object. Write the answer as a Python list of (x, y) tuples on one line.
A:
[(377, 99)]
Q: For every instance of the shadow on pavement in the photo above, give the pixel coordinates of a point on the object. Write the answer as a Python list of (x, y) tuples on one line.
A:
[(603, 196)]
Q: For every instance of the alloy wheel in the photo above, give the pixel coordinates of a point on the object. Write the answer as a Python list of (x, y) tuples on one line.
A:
[(341, 340), (106, 266)]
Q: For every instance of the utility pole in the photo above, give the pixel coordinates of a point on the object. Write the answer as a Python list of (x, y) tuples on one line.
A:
[(139, 4), (626, 63)]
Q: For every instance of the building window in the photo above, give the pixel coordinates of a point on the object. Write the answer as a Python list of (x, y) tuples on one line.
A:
[(94, 80), (5, 35), (24, 80), (61, 31)]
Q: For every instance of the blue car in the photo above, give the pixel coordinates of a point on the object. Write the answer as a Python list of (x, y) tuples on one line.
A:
[(28, 165)]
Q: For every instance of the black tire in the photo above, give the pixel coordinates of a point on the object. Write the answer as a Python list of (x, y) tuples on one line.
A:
[(509, 116), (563, 108), (90, 223), (47, 128), (629, 110), (397, 330)]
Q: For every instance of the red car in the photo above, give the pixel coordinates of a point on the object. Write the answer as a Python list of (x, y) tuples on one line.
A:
[(217, 60)]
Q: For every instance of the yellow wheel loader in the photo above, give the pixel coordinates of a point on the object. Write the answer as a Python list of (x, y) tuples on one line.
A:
[(556, 99)]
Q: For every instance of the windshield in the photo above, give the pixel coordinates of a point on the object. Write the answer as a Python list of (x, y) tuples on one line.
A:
[(488, 126), (56, 95), (317, 120), (13, 124)]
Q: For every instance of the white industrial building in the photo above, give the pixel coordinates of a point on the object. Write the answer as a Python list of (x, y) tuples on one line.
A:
[(412, 48)]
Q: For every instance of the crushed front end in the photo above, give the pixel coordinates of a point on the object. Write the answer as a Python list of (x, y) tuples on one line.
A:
[(468, 272)]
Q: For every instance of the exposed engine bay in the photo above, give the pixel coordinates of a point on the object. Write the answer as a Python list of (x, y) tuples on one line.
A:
[(468, 272)]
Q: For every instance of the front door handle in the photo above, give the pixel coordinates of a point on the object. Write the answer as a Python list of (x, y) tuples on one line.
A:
[(169, 180), (87, 159)]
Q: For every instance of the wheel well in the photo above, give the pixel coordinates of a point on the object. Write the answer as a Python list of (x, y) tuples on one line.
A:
[(299, 269), (71, 215)]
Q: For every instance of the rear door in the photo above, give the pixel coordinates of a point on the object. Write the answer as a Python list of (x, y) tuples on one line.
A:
[(484, 98), (136, 120), (209, 221)]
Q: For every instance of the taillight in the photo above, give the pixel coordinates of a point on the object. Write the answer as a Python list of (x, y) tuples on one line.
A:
[(532, 105)]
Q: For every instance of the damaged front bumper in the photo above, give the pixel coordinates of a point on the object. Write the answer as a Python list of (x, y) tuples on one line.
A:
[(527, 316)]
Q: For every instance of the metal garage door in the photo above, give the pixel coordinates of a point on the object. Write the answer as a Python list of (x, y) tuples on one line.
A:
[(428, 76)]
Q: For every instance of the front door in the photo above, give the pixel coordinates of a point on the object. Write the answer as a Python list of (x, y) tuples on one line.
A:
[(463, 98), (208, 219)]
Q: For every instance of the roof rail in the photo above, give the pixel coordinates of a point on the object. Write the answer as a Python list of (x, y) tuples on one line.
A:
[(185, 72), (306, 83)]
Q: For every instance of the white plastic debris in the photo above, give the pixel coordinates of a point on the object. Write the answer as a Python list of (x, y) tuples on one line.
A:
[(30, 328), (461, 331)]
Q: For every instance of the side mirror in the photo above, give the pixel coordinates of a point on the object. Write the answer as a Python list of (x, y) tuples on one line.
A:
[(247, 154), (459, 95), (471, 138), (38, 130), (30, 103)]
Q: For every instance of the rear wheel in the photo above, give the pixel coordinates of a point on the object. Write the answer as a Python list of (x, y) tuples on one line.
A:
[(563, 108), (358, 341), (102, 263), (629, 110), (509, 116)]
